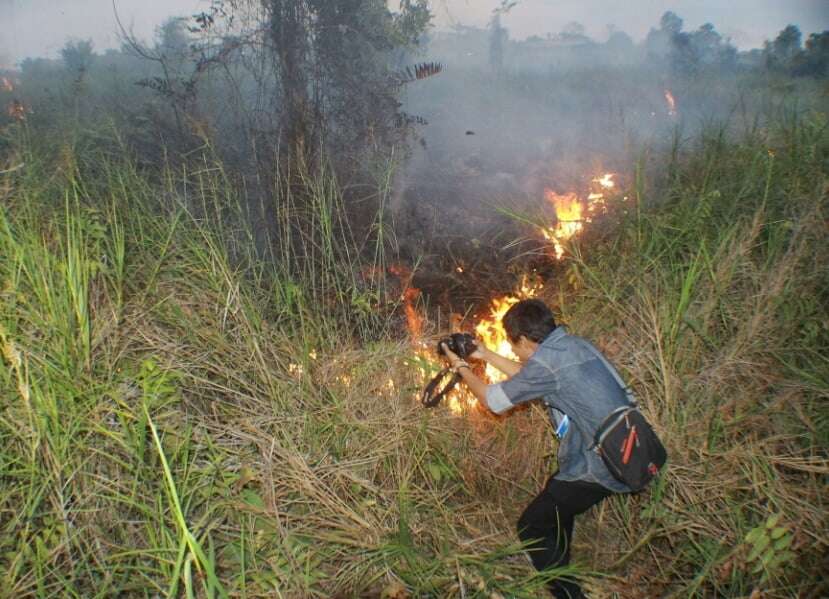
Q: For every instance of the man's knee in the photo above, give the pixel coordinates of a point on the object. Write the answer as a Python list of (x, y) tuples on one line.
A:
[(537, 521)]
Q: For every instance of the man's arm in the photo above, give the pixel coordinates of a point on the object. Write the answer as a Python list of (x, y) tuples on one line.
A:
[(476, 385), (505, 365)]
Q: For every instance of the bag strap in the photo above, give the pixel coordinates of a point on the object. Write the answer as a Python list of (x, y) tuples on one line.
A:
[(430, 397), (628, 391)]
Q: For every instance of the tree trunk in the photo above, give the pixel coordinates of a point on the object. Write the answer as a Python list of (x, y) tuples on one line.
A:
[(290, 35)]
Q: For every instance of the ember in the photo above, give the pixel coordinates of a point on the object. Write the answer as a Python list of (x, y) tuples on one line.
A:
[(669, 98), (17, 110)]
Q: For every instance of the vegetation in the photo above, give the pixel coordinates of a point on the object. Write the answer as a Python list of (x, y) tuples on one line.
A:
[(179, 417), (201, 397)]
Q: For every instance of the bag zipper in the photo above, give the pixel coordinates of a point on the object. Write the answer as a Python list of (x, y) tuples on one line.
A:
[(622, 415)]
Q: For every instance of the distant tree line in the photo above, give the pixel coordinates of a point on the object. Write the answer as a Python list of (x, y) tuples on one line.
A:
[(667, 46), (788, 54), (688, 52)]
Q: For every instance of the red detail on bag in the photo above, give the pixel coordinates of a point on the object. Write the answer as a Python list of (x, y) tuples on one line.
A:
[(652, 469), (629, 442)]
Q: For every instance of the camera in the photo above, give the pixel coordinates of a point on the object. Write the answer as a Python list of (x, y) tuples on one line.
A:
[(461, 344)]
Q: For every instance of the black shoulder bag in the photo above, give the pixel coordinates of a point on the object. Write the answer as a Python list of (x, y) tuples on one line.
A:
[(626, 441)]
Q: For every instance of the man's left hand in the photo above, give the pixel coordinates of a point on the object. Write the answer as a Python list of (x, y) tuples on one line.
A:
[(450, 355)]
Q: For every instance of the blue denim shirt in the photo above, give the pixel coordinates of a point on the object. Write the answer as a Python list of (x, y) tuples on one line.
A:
[(572, 380)]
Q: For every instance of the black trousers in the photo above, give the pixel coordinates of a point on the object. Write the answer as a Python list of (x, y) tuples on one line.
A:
[(546, 527)]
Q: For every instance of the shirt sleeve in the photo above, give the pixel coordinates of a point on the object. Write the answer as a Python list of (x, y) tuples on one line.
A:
[(533, 381)]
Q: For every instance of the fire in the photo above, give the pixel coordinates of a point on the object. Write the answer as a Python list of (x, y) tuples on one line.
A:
[(606, 181), (568, 219), (16, 110), (491, 332), (413, 319), (669, 98), (572, 212), (6, 84)]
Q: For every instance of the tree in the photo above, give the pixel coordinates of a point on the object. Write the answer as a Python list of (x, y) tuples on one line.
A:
[(813, 61), (688, 52), (498, 37), (289, 30), (173, 38), (77, 56), (659, 42), (670, 23), (788, 43), (338, 69), (619, 46), (781, 52)]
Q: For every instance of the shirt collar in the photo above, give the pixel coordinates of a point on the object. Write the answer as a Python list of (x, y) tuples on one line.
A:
[(556, 334)]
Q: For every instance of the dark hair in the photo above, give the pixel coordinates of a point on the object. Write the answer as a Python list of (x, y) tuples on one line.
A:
[(531, 318)]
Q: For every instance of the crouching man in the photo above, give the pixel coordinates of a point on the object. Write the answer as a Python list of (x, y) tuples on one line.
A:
[(574, 381)]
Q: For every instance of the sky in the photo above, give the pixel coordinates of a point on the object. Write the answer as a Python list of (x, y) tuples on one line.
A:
[(41, 27)]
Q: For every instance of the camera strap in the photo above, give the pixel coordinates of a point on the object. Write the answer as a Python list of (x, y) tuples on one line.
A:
[(430, 396)]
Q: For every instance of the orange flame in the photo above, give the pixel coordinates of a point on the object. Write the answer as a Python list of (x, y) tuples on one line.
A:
[(491, 331), (6, 84), (569, 219), (572, 212), (669, 98), (413, 319)]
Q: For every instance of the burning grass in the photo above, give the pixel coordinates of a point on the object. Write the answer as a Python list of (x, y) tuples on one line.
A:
[(175, 421)]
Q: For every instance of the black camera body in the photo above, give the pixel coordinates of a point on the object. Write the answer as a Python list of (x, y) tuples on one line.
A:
[(461, 344)]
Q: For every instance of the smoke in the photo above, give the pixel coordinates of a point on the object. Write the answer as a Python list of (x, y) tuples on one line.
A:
[(552, 113)]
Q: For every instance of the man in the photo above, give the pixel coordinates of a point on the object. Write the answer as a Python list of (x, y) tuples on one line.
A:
[(580, 391)]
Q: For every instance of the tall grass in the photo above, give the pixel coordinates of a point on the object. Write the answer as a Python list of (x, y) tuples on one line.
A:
[(183, 418)]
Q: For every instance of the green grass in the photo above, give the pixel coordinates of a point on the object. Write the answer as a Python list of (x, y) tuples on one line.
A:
[(158, 438)]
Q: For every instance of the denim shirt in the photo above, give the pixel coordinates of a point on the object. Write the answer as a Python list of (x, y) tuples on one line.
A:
[(572, 380)]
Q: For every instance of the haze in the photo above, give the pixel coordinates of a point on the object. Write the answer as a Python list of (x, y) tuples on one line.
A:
[(41, 27)]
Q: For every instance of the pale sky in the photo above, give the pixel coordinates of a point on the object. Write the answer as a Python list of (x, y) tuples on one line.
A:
[(41, 27), (747, 22)]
